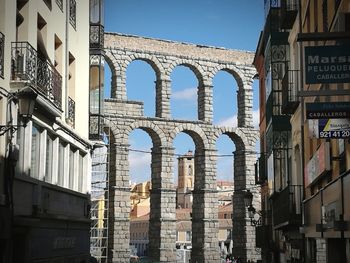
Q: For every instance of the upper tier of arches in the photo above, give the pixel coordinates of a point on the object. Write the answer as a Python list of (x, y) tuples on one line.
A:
[(164, 56)]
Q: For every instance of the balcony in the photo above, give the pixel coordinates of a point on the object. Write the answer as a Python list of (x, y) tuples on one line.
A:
[(290, 82), (27, 66), (286, 207), (2, 51), (96, 36), (71, 112), (289, 11), (272, 17), (260, 170)]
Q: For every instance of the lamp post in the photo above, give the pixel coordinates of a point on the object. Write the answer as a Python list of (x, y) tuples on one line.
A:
[(25, 99), (255, 216)]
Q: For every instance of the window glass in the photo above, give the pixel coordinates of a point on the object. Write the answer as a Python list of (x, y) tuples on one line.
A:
[(188, 235), (49, 158), (94, 11), (71, 167), (81, 172), (34, 165), (61, 173)]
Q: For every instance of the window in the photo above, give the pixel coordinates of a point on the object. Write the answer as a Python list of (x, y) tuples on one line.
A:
[(72, 165), (35, 152), (70, 114), (188, 236), (325, 15), (61, 161), (81, 172), (49, 158)]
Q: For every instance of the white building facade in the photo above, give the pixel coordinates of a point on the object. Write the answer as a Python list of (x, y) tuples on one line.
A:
[(45, 169)]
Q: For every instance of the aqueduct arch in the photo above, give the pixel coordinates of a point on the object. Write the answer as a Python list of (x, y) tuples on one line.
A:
[(124, 116)]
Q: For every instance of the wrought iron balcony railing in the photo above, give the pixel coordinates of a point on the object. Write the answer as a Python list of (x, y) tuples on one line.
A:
[(290, 82), (271, 5), (60, 4), (260, 170), (96, 36), (73, 13), (71, 111), (289, 11), (2, 51), (28, 66), (286, 206)]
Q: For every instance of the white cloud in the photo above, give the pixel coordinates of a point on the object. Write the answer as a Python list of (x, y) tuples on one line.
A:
[(228, 122), (140, 166), (137, 159), (232, 121), (186, 94)]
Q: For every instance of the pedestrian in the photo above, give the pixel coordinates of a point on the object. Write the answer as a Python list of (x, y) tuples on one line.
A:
[(228, 260)]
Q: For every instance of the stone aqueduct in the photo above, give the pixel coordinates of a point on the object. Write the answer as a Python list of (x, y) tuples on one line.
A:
[(123, 116)]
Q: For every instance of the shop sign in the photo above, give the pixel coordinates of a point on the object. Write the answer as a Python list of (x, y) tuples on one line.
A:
[(318, 164), (327, 64), (327, 110), (329, 128)]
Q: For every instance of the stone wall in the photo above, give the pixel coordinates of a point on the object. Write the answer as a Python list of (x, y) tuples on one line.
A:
[(123, 116)]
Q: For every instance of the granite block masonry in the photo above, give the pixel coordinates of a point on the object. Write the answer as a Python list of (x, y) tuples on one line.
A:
[(123, 116)]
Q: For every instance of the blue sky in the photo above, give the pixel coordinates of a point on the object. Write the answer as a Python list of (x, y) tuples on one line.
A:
[(233, 24)]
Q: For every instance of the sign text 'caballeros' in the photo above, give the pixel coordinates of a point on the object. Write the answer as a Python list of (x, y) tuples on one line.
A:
[(328, 110), (327, 64)]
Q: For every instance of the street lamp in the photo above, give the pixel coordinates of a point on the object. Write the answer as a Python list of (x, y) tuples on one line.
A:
[(255, 216), (25, 99)]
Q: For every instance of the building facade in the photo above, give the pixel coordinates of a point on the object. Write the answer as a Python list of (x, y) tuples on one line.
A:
[(45, 160), (304, 165), (185, 180)]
